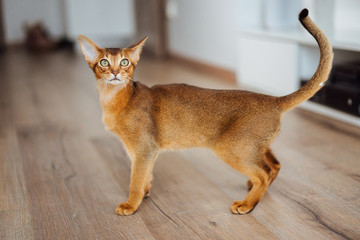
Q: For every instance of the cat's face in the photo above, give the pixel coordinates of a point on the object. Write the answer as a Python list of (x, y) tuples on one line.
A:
[(113, 66)]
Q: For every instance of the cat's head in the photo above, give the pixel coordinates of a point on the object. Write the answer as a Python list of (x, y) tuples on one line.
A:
[(111, 65)]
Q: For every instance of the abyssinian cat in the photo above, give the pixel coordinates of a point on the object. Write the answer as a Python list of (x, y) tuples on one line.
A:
[(237, 125)]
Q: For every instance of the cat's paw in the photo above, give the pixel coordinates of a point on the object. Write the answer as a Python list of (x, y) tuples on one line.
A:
[(239, 207), (124, 209)]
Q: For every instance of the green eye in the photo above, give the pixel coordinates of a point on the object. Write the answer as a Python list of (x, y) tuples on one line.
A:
[(124, 62), (104, 63)]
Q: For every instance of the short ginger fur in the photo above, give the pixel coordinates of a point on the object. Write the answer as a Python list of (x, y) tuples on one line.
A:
[(238, 126)]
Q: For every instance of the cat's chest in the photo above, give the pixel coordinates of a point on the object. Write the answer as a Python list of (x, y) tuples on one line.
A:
[(108, 96), (111, 121), (112, 111)]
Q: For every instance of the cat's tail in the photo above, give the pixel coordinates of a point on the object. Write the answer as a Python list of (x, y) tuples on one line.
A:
[(322, 72)]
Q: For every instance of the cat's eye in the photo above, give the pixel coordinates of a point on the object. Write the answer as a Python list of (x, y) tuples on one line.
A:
[(104, 63), (124, 62)]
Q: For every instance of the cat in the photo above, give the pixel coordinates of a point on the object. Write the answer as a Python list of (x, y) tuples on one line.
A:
[(238, 126)]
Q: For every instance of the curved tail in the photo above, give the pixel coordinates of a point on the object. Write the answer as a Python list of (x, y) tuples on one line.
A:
[(322, 72)]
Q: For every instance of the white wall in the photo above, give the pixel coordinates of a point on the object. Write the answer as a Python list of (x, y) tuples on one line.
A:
[(347, 21), (112, 18), (17, 12), (204, 30), (105, 19)]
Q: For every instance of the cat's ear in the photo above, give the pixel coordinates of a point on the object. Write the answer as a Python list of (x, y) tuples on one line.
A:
[(90, 50), (135, 50)]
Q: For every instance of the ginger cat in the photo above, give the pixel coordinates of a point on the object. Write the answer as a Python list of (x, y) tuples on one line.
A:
[(238, 126)]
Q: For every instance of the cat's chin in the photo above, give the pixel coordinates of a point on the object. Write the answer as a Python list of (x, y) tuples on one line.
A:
[(115, 81)]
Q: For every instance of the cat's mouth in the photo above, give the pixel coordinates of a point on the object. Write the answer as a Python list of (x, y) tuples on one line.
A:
[(115, 81)]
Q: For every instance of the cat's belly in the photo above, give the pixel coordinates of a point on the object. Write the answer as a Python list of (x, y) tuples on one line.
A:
[(172, 140)]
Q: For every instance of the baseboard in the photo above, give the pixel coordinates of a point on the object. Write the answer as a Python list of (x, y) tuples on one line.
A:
[(224, 74)]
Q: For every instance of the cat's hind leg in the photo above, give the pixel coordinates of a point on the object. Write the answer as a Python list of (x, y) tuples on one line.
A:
[(251, 162), (273, 163), (260, 179)]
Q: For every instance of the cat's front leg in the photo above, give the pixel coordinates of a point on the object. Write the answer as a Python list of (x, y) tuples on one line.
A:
[(140, 173), (148, 185)]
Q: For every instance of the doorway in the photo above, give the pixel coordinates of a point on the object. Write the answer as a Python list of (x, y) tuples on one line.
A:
[(2, 32), (151, 21)]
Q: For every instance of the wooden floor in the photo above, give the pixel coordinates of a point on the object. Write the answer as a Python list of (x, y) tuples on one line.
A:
[(62, 175)]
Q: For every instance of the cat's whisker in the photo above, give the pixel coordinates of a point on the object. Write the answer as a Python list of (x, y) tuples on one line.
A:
[(130, 79), (96, 84), (99, 83)]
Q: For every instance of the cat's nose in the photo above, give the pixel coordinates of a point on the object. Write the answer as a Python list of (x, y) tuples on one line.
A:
[(115, 73)]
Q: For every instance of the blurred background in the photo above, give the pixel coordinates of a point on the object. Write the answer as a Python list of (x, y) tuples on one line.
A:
[(256, 44)]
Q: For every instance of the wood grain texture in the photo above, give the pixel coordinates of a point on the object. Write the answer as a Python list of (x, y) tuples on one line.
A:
[(62, 174)]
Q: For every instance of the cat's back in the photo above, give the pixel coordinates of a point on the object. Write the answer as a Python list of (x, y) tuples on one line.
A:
[(181, 91), (180, 94)]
